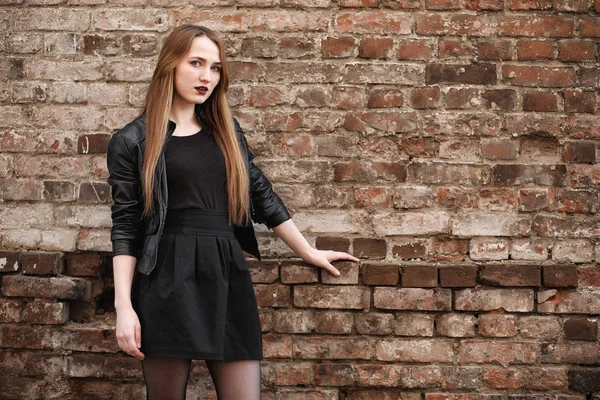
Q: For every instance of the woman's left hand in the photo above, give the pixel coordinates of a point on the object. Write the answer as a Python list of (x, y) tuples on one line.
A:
[(323, 259)]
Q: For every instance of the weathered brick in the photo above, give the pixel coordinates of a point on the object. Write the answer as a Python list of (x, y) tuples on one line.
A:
[(539, 26), (388, 73), (451, 48), (502, 352), (449, 173), (456, 325), (411, 350), (557, 226), (488, 299), (419, 276), (535, 49), (410, 249), (497, 325), (462, 98), (510, 275), (412, 299), (415, 50), (503, 99), (458, 276), (10, 310), (375, 47), (293, 321), (580, 101), (334, 322), (526, 378), (455, 24), (353, 297), (526, 75), (348, 274), (534, 249), (272, 295), (44, 312), (476, 74), (584, 380), (338, 47), (581, 328), (374, 323), (373, 23), (495, 50), (329, 374), (35, 263), (62, 288), (332, 348), (480, 224), (570, 302), (560, 275), (539, 327), (529, 175), (428, 97), (344, 97), (541, 101), (576, 50), (59, 191), (488, 249), (374, 274), (414, 324), (417, 223), (380, 121), (369, 248), (94, 192), (576, 353), (580, 152)]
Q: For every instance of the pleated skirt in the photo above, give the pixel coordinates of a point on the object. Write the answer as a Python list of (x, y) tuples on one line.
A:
[(199, 301)]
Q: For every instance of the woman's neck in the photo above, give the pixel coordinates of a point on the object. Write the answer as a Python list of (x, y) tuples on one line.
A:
[(184, 116)]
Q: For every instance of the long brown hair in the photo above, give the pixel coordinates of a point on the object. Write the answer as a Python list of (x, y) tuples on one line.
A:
[(159, 99)]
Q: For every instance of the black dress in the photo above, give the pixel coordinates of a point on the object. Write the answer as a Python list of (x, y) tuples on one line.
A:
[(199, 302)]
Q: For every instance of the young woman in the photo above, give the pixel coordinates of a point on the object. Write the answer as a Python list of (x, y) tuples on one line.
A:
[(185, 191)]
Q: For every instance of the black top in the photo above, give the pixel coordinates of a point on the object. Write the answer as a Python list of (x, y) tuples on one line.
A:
[(196, 173)]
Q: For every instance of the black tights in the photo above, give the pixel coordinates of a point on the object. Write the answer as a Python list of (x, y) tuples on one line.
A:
[(167, 378)]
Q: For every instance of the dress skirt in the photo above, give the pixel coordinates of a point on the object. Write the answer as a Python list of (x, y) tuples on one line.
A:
[(199, 301)]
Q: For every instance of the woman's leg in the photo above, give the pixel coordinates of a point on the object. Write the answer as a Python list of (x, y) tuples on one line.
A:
[(166, 378), (235, 380)]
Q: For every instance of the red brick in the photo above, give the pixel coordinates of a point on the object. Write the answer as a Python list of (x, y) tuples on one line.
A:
[(334, 322), (510, 275), (385, 98), (535, 49), (419, 276), (560, 275), (500, 149), (372, 197), (580, 101), (315, 347), (439, 173), (584, 126), (460, 98), (402, 4), (539, 76), (10, 311), (277, 346), (259, 47), (318, 296), (469, 74), (428, 97), (332, 243), (456, 325), (449, 249), (293, 321), (530, 4), (9, 261), (34, 263), (410, 250), (581, 328), (504, 99), (526, 175), (59, 191), (338, 47), (415, 50), (485, 249), (272, 295), (23, 336), (376, 275), (571, 5), (348, 97), (375, 47), (369, 248), (497, 325), (374, 323), (576, 50), (450, 48), (497, 351), (266, 96), (62, 288), (264, 271), (358, 3), (334, 374), (412, 299), (535, 199), (495, 50), (580, 152), (414, 350), (539, 26), (44, 312), (455, 24), (578, 201), (583, 379), (589, 27), (541, 101), (312, 97), (373, 22), (576, 353), (244, 70), (458, 276), (284, 373), (477, 5), (443, 4), (487, 299)]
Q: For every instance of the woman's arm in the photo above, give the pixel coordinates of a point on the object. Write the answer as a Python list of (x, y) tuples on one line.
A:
[(289, 233), (129, 333)]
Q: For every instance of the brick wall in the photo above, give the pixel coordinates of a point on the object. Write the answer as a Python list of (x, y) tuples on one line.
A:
[(452, 145)]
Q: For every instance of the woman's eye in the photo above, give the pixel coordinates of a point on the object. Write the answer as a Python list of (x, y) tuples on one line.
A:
[(216, 68), (196, 63)]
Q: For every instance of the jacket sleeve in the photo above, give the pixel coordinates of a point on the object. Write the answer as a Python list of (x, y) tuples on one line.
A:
[(268, 206), (127, 200)]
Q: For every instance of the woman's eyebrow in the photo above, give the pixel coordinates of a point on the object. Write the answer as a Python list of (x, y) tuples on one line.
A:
[(203, 59)]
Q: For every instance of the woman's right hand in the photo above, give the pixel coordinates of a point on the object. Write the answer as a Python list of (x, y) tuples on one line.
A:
[(129, 332)]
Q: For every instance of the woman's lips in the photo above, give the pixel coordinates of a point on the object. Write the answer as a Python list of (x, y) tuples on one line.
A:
[(201, 89)]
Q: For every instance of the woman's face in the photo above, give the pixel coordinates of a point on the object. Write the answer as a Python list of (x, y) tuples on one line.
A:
[(199, 71)]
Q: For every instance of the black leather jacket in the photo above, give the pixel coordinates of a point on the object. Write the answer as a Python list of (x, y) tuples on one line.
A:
[(139, 236)]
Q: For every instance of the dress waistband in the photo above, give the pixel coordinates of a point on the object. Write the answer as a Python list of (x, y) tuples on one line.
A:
[(196, 221)]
